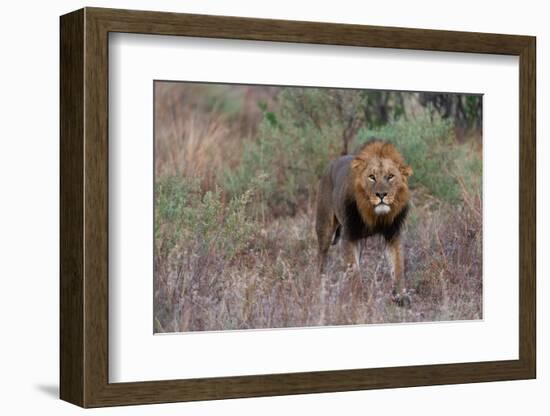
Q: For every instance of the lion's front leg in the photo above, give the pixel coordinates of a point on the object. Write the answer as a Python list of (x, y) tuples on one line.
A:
[(351, 253), (395, 256)]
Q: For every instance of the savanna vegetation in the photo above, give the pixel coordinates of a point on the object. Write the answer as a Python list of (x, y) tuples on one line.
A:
[(236, 172)]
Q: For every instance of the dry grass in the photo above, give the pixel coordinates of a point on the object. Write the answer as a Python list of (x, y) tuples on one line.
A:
[(273, 282), (195, 139)]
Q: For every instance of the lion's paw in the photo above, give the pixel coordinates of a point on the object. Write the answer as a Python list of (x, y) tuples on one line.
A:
[(402, 299)]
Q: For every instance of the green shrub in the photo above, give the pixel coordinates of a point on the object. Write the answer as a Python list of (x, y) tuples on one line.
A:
[(428, 145), (174, 197), (291, 151), (184, 215)]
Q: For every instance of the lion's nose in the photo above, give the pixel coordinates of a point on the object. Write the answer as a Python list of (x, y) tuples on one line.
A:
[(381, 195)]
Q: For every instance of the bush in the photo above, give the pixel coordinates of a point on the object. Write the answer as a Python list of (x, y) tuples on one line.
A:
[(428, 145), (291, 151), (184, 215)]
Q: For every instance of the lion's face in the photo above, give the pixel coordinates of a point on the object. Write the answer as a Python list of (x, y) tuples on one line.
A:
[(381, 179)]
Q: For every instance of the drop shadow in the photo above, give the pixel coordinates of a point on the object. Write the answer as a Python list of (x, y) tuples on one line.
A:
[(51, 390)]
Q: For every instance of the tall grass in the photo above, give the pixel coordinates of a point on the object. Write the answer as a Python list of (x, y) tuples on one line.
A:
[(273, 282), (201, 129)]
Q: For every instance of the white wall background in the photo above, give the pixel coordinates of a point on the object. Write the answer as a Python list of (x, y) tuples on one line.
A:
[(29, 159)]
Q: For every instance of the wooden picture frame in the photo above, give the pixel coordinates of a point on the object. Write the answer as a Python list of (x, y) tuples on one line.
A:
[(84, 207)]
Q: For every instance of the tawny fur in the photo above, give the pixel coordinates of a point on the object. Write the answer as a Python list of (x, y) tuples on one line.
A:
[(349, 192)]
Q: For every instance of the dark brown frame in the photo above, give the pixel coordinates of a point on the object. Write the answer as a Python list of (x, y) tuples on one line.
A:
[(84, 207)]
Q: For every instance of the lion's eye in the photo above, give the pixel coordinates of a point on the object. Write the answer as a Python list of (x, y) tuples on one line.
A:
[(372, 178), (390, 177)]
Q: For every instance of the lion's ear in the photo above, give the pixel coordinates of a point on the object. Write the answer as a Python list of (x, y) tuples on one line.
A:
[(358, 164), (406, 170)]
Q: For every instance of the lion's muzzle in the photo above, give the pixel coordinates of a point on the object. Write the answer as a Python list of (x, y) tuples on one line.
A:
[(382, 209)]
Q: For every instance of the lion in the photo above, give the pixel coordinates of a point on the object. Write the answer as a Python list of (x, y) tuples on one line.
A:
[(364, 195)]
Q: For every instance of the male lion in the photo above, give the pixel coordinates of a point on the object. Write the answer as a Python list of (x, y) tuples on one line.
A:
[(361, 196)]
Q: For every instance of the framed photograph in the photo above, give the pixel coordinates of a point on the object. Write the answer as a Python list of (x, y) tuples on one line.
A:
[(255, 207)]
